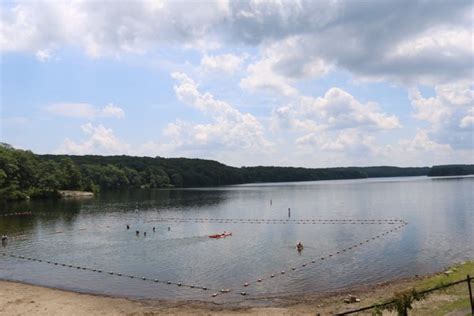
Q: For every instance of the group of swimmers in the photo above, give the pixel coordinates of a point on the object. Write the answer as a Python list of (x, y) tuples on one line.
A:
[(137, 232)]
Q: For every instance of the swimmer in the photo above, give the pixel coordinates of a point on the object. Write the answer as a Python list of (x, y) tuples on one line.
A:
[(144, 234), (169, 228), (299, 246), (137, 232), (153, 229), (128, 226)]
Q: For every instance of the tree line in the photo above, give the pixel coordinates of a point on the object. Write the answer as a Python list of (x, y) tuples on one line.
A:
[(24, 174)]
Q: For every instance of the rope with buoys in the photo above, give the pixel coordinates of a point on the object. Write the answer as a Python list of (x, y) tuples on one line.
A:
[(111, 273), (277, 221), (313, 261), (400, 222)]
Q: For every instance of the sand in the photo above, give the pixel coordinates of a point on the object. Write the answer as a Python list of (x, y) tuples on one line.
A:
[(24, 299)]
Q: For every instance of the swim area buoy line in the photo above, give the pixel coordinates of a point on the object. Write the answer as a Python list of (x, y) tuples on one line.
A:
[(398, 223)]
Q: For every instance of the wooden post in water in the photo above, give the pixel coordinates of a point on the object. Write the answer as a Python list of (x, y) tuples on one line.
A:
[(470, 293)]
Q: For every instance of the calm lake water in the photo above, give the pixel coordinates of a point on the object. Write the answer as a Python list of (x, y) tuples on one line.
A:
[(92, 233)]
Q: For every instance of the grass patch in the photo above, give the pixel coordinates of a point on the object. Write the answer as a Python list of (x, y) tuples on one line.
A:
[(451, 299), (459, 272)]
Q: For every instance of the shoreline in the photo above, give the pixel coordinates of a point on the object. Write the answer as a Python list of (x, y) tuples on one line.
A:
[(22, 298)]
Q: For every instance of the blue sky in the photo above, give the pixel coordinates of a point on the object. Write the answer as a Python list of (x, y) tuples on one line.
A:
[(305, 83)]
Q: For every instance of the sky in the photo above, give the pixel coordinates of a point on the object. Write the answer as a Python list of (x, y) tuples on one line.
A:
[(289, 83)]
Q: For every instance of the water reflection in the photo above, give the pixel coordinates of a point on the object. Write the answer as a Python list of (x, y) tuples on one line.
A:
[(94, 233)]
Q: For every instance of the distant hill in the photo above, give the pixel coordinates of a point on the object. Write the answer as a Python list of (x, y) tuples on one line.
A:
[(24, 174), (451, 170)]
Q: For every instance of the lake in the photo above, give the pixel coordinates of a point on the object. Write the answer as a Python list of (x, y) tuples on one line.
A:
[(353, 232)]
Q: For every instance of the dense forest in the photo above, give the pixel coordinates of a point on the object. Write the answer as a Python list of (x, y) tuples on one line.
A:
[(24, 174), (451, 170)]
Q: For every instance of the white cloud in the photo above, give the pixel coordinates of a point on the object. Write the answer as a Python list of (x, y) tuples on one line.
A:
[(339, 109), (229, 129), (402, 41), (44, 55), (333, 125), (85, 110), (106, 28), (281, 64), (111, 110), (261, 77), (100, 140), (349, 141), (468, 120), (422, 142), (225, 63), (428, 109), (336, 110), (449, 112)]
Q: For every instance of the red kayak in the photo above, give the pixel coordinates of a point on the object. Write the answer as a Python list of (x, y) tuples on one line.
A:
[(220, 235)]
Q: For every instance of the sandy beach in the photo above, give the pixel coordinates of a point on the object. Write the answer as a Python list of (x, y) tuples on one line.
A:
[(24, 299)]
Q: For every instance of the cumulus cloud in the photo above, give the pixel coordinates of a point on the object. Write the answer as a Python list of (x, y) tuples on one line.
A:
[(333, 124), (348, 141), (449, 112), (225, 63), (468, 120), (100, 140), (281, 65), (404, 41), (335, 110), (106, 28), (422, 142), (229, 129), (85, 110), (44, 55)]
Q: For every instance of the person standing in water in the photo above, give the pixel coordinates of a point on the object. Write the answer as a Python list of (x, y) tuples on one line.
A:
[(299, 246), (289, 212), (4, 240)]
